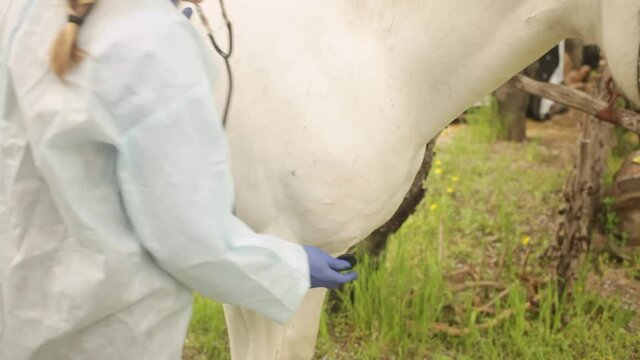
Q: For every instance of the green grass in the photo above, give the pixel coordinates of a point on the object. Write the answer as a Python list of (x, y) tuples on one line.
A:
[(625, 143), (492, 202), (207, 339)]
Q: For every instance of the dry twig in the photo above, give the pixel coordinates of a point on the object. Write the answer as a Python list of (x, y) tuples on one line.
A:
[(456, 331), (477, 284), (498, 272), (523, 269), (462, 272), (500, 296)]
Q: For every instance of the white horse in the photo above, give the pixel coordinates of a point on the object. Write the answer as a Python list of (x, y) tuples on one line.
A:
[(335, 100)]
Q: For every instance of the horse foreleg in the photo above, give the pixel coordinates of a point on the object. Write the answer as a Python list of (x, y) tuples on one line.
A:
[(254, 337)]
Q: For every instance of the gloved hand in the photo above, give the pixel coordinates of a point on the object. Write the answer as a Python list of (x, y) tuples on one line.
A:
[(325, 270)]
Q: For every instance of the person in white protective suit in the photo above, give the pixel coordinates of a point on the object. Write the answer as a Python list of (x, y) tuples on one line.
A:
[(115, 190)]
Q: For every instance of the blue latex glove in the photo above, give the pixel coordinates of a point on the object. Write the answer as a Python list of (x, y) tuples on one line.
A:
[(325, 270)]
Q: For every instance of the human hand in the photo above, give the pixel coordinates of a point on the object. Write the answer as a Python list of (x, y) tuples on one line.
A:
[(325, 270)]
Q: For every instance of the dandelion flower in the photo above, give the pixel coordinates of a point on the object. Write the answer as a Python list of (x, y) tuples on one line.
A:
[(438, 162), (438, 171), (450, 190), (433, 207), (455, 178), (525, 240)]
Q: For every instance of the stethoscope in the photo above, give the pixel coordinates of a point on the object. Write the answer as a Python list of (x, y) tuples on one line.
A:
[(224, 54)]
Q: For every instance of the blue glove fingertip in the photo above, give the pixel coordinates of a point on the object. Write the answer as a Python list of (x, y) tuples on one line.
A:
[(339, 264), (348, 277), (187, 12), (343, 265)]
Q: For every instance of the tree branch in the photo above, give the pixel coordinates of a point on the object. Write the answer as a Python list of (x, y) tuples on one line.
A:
[(579, 100)]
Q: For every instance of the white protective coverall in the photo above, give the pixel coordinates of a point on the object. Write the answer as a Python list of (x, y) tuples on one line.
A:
[(115, 190)]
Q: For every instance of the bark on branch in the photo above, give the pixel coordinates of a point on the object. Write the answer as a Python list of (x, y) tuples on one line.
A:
[(583, 193), (579, 100)]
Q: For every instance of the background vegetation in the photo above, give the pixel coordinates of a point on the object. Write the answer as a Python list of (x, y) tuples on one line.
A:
[(489, 213)]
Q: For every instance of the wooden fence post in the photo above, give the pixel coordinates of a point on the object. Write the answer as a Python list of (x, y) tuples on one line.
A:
[(583, 197)]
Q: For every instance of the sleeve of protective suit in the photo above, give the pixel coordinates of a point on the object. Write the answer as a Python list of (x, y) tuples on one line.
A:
[(177, 190)]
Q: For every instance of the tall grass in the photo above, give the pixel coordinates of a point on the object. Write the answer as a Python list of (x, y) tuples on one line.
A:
[(207, 339), (493, 201), (390, 312), (486, 201)]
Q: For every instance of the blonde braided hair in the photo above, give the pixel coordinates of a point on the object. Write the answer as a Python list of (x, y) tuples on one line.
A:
[(65, 53)]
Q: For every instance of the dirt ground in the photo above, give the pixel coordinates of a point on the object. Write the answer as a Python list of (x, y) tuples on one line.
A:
[(618, 282), (559, 135)]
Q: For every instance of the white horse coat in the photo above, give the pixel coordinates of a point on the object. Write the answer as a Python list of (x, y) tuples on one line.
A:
[(335, 100)]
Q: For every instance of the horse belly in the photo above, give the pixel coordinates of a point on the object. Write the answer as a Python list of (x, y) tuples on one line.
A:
[(322, 150), (327, 192)]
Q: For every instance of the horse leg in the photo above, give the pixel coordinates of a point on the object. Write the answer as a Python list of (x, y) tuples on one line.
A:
[(253, 336)]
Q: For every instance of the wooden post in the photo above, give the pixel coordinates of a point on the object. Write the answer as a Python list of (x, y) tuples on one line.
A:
[(583, 196), (574, 48), (512, 107)]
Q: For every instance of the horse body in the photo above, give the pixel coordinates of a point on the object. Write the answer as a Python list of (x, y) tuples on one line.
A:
[(336, 99)]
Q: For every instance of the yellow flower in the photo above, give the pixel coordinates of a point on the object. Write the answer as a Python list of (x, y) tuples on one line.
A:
[(438, 163), (450, 190), (438, 171), (455, 178), (636, 160), (433, 207), (525, 240)]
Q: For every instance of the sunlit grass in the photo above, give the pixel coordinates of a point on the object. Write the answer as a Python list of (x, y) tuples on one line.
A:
[(207, 338), (504, 194), (489, 201)]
